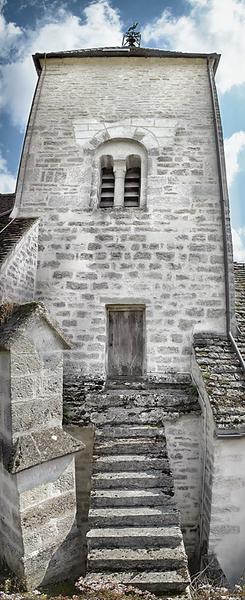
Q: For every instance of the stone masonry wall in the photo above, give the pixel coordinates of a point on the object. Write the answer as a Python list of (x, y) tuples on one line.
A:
[(184, 448), (11, 549), (227, 524), (168, 256), (11, 546), (48, 521), (18, 271), (36, 389)]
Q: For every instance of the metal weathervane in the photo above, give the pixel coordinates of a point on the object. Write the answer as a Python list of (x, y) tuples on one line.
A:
[(132, 37)]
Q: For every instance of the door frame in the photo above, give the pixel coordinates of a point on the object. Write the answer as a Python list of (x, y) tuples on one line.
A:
[(125, 307)]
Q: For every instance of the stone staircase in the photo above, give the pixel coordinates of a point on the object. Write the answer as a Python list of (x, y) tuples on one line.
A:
[(134, 531)]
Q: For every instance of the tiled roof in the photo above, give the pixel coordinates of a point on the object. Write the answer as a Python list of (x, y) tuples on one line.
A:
[(11, 231), (6, 204), (14, 319), (224, 380)]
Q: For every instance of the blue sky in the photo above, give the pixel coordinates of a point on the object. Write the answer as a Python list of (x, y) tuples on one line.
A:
[(28, 26)]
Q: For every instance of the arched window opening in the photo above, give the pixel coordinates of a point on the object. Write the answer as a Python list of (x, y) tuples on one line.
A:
[(132, 181), (107, 182)]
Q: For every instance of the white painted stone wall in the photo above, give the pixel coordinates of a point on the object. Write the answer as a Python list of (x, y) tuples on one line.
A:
[(168, 256), (184, 443), (227, 526), (222, 511)]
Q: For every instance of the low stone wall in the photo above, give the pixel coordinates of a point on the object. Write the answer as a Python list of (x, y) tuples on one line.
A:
[(83, 462), (227, 524), (207, 456), (184, 437)]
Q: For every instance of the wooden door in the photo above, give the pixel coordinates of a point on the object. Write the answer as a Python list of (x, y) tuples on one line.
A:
[(125, 343)]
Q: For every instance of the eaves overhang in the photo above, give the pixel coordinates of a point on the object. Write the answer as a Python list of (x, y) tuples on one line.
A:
[(122, 52)]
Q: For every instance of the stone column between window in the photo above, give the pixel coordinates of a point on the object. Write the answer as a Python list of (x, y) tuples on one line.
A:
[(119, 174)]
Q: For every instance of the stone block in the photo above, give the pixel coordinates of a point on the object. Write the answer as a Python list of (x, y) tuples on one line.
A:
[(54, 508), (34, 415)]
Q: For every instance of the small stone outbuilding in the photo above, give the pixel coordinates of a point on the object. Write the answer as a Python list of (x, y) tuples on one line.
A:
[(39, 536)]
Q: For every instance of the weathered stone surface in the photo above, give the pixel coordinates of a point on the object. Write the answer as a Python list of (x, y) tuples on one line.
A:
[(122, 498), (135, 537), (224, 381), (38, 447), (155, 581), (18, 259), (127, 559), (131, 517), (119, 538)]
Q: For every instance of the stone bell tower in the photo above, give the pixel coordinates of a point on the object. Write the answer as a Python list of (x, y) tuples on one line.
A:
[(120, 164)]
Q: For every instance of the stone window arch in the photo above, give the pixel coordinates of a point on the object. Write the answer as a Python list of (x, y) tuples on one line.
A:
[(117, 162)]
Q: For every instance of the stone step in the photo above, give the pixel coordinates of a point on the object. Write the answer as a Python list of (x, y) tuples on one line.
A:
[(129, 462), (123, 416), (130, 446), (154, 581), (134, 537), (131, 517), (132, 480), (126, 559), (129, 498), (130, 431)]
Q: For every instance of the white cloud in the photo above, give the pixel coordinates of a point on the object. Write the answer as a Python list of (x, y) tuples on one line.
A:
[(238, 237), (234, 145), (9, 36), (100, 26), (210, 26), (7, 181)]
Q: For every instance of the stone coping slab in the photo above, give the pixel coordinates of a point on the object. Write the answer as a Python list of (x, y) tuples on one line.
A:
[(224, 381), (41, 446), (15, 319), (11, 232)]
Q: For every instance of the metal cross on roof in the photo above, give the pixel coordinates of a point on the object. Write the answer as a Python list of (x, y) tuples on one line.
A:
[(132, 37)]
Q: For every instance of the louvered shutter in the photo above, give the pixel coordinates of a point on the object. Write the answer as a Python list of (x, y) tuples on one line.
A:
[(107, 188), (132, 187)]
